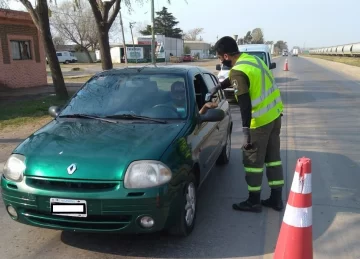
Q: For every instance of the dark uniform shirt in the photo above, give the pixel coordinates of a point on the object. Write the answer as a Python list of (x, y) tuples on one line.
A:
[(240, 80)]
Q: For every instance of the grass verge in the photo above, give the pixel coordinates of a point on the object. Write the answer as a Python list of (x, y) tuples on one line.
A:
[(345, 60), (73, 79), (17, 113)]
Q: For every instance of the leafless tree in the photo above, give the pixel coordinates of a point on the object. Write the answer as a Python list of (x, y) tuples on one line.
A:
[(4, 4), (76, 25), (194, 33), (40, 16)]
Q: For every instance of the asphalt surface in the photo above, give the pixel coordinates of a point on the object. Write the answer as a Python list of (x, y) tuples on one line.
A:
[(321, 122)]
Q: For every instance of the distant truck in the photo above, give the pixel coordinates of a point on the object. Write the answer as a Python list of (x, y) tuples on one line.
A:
[(295, 52)]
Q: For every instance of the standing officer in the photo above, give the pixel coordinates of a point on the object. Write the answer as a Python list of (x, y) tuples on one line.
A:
[(261, 110)]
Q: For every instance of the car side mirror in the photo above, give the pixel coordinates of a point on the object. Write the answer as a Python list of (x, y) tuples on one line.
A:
[(218, 67), (212, 115), (54, 111), (272, 65)]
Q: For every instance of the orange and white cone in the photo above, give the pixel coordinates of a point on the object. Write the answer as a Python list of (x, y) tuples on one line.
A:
[(286, 65), (295, 238)]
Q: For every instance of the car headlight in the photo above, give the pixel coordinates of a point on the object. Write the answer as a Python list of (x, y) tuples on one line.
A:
[(146, 174), (15, 167)]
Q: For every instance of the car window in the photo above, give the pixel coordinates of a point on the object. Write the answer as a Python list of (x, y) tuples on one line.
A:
[(216, 81), (154, 95), (58, 54), (211, 84)]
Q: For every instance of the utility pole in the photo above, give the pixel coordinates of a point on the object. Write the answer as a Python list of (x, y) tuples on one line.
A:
[(123, 36), (131, 26), (153, 59)]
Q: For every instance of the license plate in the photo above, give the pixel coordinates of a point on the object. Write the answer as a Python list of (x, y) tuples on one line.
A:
[(66, 207)]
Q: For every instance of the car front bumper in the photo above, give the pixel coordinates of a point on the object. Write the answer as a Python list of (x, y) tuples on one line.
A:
[(116, 210)]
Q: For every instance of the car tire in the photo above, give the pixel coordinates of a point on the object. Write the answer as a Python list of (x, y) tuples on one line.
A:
[(182, 227), (224, 157)]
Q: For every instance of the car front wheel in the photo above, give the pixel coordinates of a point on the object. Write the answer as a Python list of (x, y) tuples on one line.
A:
[(185, 221)]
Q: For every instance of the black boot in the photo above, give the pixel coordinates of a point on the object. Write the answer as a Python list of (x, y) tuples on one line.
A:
[(252, 204), (275, 200)]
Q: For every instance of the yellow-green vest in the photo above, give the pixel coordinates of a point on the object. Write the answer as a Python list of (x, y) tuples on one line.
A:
[(264, 94)]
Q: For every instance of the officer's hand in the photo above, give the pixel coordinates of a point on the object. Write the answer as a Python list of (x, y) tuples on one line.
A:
[(247, 139)]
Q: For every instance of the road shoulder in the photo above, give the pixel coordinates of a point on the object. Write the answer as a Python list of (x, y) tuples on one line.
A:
[(351, 72)]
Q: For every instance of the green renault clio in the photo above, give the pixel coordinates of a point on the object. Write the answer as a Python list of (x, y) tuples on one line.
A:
[(126, 154)]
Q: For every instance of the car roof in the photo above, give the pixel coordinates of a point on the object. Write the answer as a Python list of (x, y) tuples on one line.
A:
[(149, 68), (254, 47)]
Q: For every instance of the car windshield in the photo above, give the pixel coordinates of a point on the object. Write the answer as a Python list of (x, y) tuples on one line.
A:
[(157, 96)]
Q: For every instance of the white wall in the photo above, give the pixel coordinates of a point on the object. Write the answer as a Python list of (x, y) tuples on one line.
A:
[(115, 54)]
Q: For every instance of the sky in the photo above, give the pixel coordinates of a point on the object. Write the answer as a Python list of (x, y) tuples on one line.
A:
[(303, 23)]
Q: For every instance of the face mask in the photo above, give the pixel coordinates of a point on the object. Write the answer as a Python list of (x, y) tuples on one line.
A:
[(227, 63)]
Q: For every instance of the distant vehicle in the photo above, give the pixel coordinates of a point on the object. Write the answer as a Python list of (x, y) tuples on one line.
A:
[(295, 52), (285, 53), (260, 50), (188, 57), (65, 57), (126, 154)]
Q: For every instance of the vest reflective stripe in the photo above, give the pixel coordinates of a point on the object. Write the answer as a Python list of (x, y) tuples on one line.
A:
[(265, 93), (264, 110)]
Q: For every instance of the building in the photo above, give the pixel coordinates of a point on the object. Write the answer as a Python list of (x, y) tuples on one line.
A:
[(22, 55), (165, 46), (200, 48)]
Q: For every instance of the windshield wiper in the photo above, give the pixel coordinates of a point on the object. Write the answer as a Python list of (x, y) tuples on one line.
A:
[(132, 116), (79, 115)]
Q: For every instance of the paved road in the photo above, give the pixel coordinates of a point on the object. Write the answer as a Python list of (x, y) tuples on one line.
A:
[(320, 122)]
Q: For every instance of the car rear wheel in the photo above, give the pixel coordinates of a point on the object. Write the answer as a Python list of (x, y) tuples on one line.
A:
[(185, 221), (224, 157)]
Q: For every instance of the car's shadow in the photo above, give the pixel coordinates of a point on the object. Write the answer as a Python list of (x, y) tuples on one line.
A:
[(223, 233)]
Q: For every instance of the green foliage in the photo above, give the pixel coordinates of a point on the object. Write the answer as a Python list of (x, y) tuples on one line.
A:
[(165, 24)]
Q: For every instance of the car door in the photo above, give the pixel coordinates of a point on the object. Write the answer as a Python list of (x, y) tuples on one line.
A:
[(205, 133), (221, 126)]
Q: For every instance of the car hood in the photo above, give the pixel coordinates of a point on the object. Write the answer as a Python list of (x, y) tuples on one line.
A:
[(100, 150)]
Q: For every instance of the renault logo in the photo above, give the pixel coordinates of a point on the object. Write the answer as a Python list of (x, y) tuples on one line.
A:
[(71, 169)]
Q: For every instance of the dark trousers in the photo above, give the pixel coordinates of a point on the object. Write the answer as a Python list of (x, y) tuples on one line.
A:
[(265, 151)]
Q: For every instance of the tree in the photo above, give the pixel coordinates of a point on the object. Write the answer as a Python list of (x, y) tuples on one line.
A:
[(104, 21), (40, 17), (248, 38), (58, 41), (281, 45), (187, 50), (257, 36), (4, 4), (193, 34), (165, 24), (76, 25)]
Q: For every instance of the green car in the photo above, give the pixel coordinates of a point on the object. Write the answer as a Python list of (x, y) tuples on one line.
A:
[(126, 154)]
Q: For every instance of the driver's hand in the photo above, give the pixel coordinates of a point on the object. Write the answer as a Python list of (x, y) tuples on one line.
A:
[(211, 105)]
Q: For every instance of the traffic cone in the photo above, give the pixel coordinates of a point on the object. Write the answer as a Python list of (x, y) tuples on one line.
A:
[(286, 65), (295, 238)]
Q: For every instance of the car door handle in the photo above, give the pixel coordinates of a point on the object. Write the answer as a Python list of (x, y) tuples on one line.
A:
[(217, 126)]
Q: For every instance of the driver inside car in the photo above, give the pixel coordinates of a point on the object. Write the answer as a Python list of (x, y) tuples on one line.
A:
[(178, 97)]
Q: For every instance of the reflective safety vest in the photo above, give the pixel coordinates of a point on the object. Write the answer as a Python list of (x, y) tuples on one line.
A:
[(264, 94)]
